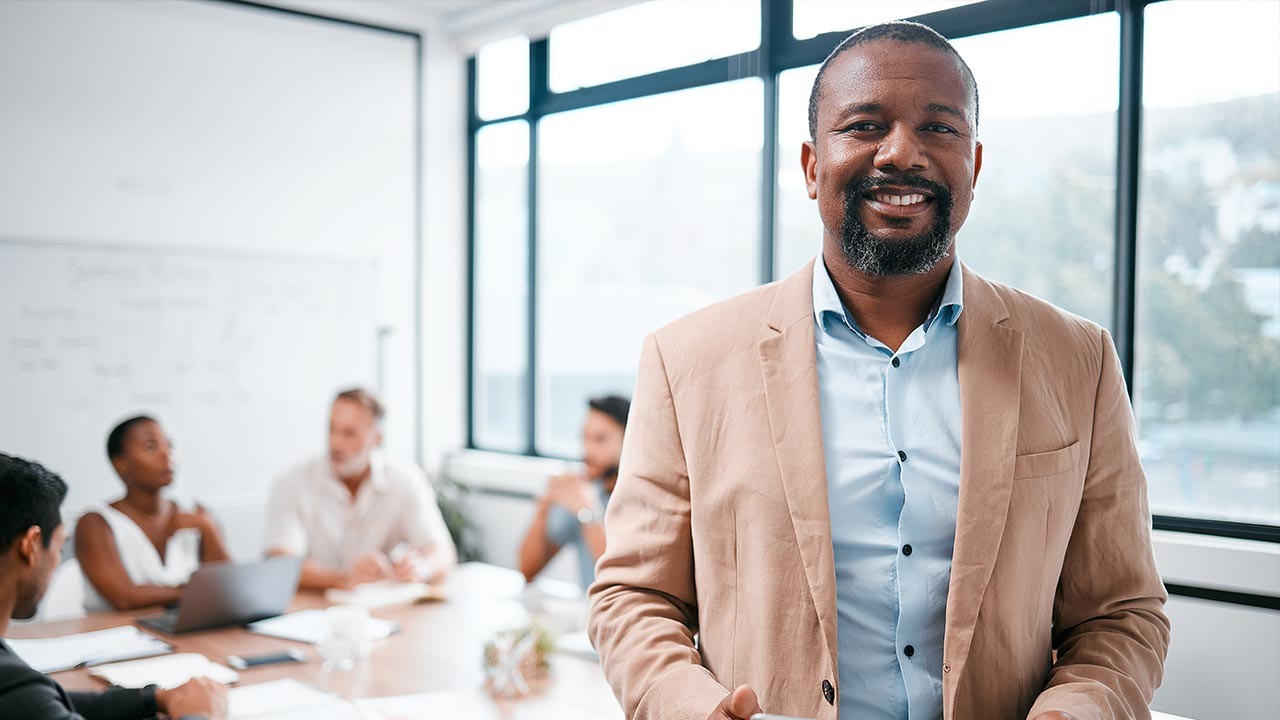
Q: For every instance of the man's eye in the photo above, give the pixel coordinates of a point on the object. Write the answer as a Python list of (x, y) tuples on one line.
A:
[(863, 127), (939, 127)]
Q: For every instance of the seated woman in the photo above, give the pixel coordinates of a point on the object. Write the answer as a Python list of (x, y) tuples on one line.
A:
[(141, 549), (572, 510)]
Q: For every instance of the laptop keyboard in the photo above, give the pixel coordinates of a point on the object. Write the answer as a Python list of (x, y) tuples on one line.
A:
[(164, 623)]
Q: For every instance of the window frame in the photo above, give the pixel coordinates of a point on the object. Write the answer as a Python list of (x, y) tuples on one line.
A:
[(779, 51)]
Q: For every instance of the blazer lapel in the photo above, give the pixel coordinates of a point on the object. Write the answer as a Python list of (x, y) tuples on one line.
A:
[(788, 363), (989, 365)]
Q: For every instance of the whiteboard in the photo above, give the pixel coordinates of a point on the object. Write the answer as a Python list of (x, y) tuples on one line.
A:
[(208, 211), (238, 356)]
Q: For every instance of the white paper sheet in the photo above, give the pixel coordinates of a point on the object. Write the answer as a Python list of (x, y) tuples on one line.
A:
[(287, 700), (383, 594), (426, 706), (309, 626), (168, 671), (92, 648)]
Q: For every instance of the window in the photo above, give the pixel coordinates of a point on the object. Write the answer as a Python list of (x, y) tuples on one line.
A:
[(1043, 215), (1208, 325), (814, 17), (651, 198), (502, 83), (648, 210), (649, 37), (500, 297), (798, 228)]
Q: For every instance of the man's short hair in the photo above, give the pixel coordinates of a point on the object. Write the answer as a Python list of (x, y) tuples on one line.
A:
[(615, 406), (115, 439), (364, 399), (903, 31), (29, 495)]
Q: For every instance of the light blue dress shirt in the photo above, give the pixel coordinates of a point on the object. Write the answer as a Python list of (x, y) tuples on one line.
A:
[(891, 434), (564, 530)]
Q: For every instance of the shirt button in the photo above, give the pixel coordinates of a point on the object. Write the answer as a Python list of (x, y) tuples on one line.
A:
[(902, 456), (896, 362), (906, 549), (908, 651), (828, 692)]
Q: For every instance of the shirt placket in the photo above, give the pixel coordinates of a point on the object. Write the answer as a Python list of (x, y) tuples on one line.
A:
[(910, 586)]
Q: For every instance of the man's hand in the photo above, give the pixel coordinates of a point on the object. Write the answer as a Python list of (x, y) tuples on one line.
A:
[(200, 696), (572, 492), (740, 704), (1055, 715), (370, 567)]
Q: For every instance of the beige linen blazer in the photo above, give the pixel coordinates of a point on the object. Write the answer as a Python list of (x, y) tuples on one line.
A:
[(719, 568)]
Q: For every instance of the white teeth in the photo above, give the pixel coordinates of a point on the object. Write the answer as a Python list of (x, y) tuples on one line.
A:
[(899, 199)]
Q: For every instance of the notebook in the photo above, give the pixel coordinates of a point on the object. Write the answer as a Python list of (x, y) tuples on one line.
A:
[(85, 649), (167, 671)]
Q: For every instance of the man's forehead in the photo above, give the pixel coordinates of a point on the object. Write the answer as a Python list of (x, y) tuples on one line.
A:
[(887, 61)]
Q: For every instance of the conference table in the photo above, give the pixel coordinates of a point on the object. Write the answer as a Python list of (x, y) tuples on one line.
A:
[(439, 648)]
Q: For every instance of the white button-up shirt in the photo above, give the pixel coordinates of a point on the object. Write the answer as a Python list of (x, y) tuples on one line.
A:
[(312, 514)]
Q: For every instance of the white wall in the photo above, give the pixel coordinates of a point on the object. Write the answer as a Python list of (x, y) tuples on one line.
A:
[(205, 128)]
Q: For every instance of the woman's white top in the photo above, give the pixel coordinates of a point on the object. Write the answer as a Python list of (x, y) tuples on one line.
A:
[(140, 559)]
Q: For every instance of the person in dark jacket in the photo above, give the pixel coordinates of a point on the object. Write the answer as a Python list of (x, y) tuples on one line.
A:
[(31, 540)]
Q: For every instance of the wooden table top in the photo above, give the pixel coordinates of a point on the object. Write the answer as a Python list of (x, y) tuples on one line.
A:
[(439, 648)]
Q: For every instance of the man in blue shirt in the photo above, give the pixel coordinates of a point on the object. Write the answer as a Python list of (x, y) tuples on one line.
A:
[(885, 487)]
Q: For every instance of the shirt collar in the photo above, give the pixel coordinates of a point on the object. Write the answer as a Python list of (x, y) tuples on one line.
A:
[(826, 300), (376, 481)]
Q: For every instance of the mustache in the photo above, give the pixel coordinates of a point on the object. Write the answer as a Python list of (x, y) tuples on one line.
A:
[(860, 186)]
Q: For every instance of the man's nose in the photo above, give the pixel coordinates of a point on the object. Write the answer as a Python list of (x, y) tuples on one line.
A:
[(901, 151)]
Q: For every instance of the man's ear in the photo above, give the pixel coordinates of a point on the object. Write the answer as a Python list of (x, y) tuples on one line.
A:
[(977, 163), (377, 438), (29, 544), (809, 163)]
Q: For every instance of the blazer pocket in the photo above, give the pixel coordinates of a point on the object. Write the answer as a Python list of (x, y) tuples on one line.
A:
[(1045, 464)]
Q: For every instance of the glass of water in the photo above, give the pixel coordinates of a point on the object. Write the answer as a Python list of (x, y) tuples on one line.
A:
[(346, 636)]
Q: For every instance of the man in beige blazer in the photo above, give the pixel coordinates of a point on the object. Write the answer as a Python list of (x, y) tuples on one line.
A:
[(720, 571)]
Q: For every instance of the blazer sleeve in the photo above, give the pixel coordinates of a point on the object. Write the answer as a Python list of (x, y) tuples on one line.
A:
[(1110, 631), (115, 704), (643, 601), (26, 693)]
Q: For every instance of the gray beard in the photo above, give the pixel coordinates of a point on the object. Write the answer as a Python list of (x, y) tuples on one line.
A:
[(883, 258)]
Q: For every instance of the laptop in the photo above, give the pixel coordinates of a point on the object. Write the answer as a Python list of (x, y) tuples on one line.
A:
[(231, 594)]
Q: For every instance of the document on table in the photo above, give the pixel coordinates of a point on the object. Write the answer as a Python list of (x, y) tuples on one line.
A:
[(309, 626), (426, 706), (168, 671), (92, 648), (287, 700), (384, 593)]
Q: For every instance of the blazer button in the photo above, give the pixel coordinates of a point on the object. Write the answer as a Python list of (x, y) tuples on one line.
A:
[(828, 692), (946, 667)]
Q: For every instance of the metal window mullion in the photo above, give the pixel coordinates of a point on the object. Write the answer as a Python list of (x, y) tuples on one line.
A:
[(1128, 176), (775, 19), (473, 128), (538, 90)]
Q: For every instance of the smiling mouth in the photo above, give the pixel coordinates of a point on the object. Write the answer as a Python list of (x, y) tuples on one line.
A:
[(898, 202)]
